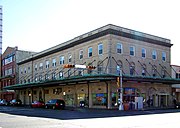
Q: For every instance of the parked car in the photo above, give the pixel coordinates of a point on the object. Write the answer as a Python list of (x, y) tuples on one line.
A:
[(55, 104), (16, 102), (4, 102), (38, 104)]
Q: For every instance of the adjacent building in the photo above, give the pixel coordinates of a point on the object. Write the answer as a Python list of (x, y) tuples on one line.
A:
[(9, 70), (143, 59), (176, 87)]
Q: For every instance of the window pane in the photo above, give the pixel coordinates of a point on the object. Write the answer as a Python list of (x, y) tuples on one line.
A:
[(90, 52), (100, 49), (132, 51), (119, 48)]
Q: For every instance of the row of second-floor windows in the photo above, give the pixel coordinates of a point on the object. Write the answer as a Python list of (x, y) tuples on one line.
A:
[(7, 72), (119, 49), (144, 72), (8, 60)]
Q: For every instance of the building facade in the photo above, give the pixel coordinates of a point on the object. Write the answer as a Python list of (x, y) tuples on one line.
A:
[(143, 59), (1, 21), (176, 87), (9, 70)]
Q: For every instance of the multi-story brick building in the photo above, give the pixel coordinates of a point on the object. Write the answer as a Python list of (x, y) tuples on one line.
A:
[(143, 59), (9, 70)]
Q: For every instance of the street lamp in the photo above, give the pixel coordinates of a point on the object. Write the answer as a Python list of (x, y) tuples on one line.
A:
[(121, 92)]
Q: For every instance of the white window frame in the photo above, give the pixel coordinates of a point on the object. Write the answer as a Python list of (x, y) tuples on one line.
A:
[(154, 53), (143, 51), (89, 51), (100, 48), (80, 54), (54, 62), (119, 47), (69, 58), (164, 56), (61, 60), (47, 64), (133, 48)]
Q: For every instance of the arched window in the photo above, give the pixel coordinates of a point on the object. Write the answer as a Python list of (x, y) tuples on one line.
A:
[(143, 70), (163, 71), (154, 70), (100, 67), (132, 68)]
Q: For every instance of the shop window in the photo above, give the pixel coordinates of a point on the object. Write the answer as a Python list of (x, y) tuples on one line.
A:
[(99, 99), (114, 100)]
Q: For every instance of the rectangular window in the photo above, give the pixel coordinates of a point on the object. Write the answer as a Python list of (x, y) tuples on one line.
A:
[(61, 60), (80, 54), (90, 52), (35, 67), (54, 62), (41, 66), (163, 56), (132, 50), (100, 49), (69, 58), (47, 64), (119, 48), (143, 53), (154, 55)]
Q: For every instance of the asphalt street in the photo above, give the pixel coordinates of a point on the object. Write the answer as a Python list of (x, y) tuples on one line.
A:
[(18, 117)]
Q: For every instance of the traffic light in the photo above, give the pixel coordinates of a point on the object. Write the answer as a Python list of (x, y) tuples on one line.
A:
[(69, 66), (91, 67)]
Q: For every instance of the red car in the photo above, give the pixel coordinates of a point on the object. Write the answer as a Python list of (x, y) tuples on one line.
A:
[(37, 104)]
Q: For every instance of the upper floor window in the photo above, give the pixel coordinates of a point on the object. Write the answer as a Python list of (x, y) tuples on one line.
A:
[(47, 64), (119, 48), (132, 69), (41, 66), (163, 56), (53, 75), (80, 54), (46, 76), (143, 53), (61, 60), (119, 67), (21, 71), (154, 70), (40, 78), (154, 55), (29, 69), (35, 67), (144, 70), (132, 50), (100, 49), (60, 74), (89, 51), (9, 60), (69, 58), (54, 62), (25, 71)]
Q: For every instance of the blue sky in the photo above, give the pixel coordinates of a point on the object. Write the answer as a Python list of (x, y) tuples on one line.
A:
[(36, 25)]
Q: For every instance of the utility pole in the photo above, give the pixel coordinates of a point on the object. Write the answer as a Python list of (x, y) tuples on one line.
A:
[(120, 100)]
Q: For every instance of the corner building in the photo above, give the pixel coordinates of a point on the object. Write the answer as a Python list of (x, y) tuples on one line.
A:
[(143, 59)]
